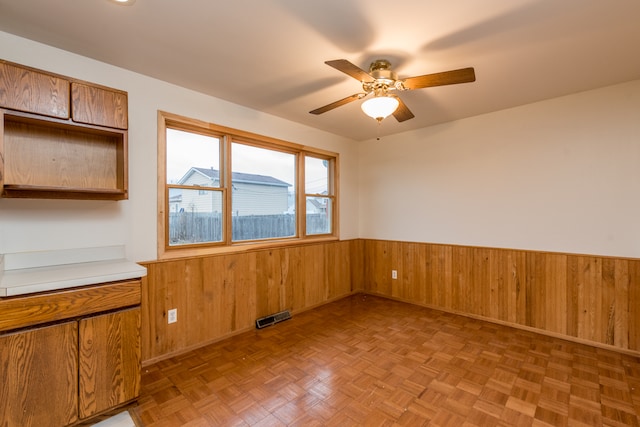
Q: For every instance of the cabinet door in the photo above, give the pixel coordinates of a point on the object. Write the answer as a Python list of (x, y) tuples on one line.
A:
[(39, 371), (28, 90), (109, 361), (100, 106)]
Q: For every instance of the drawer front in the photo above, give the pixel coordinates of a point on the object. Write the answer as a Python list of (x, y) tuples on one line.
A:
[(25, 311)]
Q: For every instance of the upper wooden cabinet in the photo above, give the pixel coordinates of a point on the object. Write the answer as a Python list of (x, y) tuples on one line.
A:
[(61, 138), (98, 106), (26, 89)]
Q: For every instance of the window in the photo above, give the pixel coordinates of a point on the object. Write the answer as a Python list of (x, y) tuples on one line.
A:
[(263, 193), (195, 196), (318, 199), (224, 187)]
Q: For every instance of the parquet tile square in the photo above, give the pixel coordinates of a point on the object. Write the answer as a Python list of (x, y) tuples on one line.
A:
[(521, 406), (471, 386), (460, 402), (511, 417), (370, 361), (551, 417)]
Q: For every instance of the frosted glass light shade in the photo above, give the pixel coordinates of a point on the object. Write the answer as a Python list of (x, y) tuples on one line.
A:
[(380, 107)]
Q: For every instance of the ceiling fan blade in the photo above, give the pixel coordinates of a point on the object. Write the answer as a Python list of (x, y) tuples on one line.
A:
[(402, 113), (463, 75), (351, 70), (339, 103)]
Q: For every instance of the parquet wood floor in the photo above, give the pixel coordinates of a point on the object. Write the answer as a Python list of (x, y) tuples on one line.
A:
[(369, 361)]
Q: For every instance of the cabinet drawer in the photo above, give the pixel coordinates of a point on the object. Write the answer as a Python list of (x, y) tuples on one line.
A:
[(24, 311), (25, 89), (100, 106)]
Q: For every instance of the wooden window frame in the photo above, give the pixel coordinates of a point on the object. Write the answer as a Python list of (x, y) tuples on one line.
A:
[(228, 136)]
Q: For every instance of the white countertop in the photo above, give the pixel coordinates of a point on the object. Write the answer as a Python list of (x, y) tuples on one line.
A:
[(26, 273)]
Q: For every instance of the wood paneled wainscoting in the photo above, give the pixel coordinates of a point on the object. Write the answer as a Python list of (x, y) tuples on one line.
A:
[(590, 299), (221, 295)]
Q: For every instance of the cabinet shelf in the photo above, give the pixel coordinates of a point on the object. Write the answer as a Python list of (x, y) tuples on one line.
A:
[(35, 191), (54, 158)]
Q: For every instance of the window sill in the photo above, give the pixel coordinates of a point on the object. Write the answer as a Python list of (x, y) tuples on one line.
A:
[(177, 253)]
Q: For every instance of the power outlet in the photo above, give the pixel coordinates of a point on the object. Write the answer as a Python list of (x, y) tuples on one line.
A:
[(394, 274), (172, 315)]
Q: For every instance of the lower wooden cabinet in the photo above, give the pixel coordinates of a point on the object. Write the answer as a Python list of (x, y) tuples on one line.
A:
[(70, 370), (40, 376), (109, 361)]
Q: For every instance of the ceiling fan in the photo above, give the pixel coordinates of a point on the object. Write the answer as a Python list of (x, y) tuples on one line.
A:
[(381, 80)]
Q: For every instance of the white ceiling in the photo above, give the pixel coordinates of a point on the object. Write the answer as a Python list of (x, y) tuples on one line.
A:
[(269, 54)]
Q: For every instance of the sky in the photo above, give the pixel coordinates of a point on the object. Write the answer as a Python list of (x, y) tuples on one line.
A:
[(186, 150)]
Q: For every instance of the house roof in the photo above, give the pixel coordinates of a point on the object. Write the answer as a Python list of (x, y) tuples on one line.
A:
[(247, 178)]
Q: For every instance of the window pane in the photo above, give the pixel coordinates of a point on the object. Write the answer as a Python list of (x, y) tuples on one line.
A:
[(263, 193), (192, 159), (318, 215), (316, 173), (195, 216)]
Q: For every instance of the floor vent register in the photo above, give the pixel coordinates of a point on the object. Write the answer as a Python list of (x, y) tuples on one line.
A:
[(272, 319)]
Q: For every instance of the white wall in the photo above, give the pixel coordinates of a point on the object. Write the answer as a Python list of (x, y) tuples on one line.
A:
[(31, 225), (559, 175)]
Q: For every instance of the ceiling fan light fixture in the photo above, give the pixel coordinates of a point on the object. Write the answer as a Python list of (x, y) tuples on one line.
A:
[(380, 107), (123, 2)]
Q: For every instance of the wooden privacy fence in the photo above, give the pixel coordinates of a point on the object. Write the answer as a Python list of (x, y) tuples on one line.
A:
[(193, 227)]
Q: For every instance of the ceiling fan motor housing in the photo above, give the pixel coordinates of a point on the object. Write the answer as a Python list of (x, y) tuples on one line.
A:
[(381, 70), (385, 78)]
